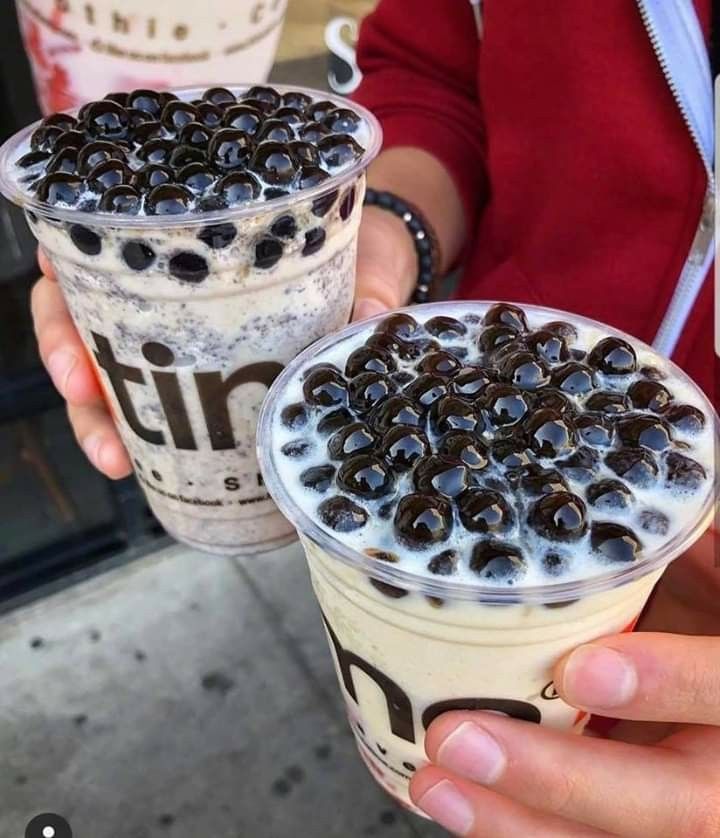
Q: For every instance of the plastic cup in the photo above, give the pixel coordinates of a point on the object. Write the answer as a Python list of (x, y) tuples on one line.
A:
[(442, 645), (185, 362)]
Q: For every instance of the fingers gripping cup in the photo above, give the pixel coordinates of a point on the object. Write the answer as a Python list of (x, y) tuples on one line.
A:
[(201, 239), (480, 488)]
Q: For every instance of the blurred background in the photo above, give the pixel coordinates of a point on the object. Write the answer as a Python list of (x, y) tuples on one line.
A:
[(76, 51)]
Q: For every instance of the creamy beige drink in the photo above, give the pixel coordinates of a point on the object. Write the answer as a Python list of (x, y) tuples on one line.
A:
[(201, 241), (480, 488)]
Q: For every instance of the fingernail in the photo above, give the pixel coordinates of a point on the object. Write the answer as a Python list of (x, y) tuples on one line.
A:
[(367, 308), (473, 753), (92, 446), (60, 365), (599, 677), (444, 803)]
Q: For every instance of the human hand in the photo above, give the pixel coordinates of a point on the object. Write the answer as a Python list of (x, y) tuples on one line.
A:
[(658, 774), (66, 360)]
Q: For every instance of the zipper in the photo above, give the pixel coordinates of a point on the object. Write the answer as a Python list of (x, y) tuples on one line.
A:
[(699, 259)]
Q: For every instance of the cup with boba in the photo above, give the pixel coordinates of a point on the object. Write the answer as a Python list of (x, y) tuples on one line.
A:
[(202, 238), (479, 488)]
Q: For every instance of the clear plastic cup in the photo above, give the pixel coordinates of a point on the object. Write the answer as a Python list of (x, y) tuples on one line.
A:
[(186, 337), (440, 645)]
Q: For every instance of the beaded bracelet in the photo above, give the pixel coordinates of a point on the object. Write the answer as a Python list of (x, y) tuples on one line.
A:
[(424, 239)]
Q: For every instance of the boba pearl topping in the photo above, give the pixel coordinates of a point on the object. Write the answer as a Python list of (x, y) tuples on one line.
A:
[(148, 152), (529, 449)]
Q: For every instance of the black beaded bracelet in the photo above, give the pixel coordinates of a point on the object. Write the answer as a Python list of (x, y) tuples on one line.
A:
[(424, 239)]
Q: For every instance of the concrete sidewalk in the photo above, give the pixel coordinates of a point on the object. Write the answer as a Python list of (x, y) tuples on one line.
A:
[(183, 696)]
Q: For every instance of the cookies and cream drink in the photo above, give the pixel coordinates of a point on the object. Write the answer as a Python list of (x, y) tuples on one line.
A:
[(480, 488), (201, 239)]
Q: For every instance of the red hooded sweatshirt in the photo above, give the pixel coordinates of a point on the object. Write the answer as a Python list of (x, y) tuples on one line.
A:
[(582, 184)]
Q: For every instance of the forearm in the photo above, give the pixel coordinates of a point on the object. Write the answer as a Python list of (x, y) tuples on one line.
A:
[(421, 180)]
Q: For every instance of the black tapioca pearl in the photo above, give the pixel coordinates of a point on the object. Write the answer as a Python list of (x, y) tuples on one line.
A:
[(511, 453), (263, 93), (425, 390), (219, 96), (274, 163), (334, 420), (423, 520), (294, 416), (325, 387), (684, 473), (145, 100), (106, 120), (229, 149), (64, 121), (70, 139), (507, 315), (555, 564), (369, 360), (338, 150), (404, 349), (560, 516), (649, 395), (148, 130), (401, 325), (402, 378), (189, 267), (438, 473), (614, 542), (505, 404), (581, 465), (33, 158), (442, 564), (609, 494), (525, 371), (318, 478), (109, 173), (608, 402), (137, 255), (272, 193), (268, 252), (218, 236), (498, 560), (317, 111), (645, 431), (284, 227), (494, 337), (451, 413), (168, 199), (243, 117), (445, 328), (176, 115), (305, 153), (60, 188), (296, 99), (289, 115), (195, 135), (391, 591), (314, 240), (151, 175), (64, 160), (366, 476), (467, 448), (542, 481), (275, 130), (342, 515), (562, 329), (347, 204), (156, 151), (595, 429), (312, 132), (208, 114), (549, 346), (395, 410), (460, 352), (573, 378), (550, 434), (636, 465), (684, 417), (439, 363), (613, 356), (549, 397), (485, 511), (654, 522), (653, 373), (122, 199), (342, 121), (185, 155), (87, 241), (352, 439), (403, 445), (296, 448), (45, 137), (470, 382), (368, 389), (237, 188)]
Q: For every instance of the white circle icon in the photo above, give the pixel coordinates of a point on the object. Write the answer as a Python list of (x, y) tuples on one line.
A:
[(48, 832)]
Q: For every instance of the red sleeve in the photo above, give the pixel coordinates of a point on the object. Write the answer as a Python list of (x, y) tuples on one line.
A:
[(419, 62)]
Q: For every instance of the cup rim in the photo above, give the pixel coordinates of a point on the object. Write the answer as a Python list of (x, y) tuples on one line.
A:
[(402, 578), (11, 189)]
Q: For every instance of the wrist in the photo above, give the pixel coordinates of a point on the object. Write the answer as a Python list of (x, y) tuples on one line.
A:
[(386, 248)]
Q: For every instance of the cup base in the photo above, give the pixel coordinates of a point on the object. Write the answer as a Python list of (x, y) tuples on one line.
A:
[(216, 549)]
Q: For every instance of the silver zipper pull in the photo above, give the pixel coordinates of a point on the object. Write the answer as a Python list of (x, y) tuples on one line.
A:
[(477, 11)]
